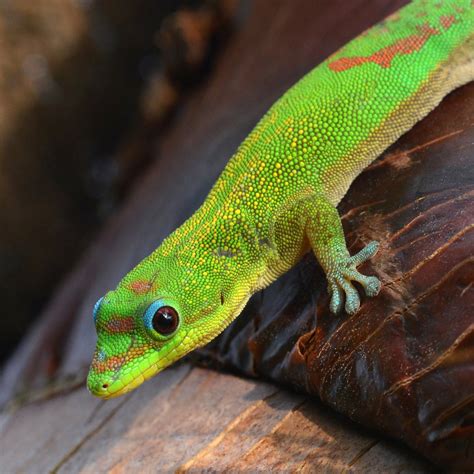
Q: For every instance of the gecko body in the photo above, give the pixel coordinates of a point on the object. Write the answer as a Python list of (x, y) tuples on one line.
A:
[(276, 199)]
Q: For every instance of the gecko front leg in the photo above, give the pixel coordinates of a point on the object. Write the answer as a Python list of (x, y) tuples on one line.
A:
[(326, 237)]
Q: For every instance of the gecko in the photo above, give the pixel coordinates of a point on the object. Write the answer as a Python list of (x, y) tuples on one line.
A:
[(276, 198)]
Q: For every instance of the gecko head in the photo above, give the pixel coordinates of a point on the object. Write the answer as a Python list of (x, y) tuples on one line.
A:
[(145, 325)]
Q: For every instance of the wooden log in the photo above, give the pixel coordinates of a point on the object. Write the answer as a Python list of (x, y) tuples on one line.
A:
[(193, 420)]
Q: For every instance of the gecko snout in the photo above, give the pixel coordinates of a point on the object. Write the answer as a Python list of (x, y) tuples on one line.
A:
[(98, 386)]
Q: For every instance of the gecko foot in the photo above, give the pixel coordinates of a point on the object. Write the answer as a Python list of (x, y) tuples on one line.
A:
[(340, 277)]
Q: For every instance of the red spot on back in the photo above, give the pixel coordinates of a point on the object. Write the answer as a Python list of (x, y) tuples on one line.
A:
[(385, 56), (140, 287), (119, 325), (447, 20)]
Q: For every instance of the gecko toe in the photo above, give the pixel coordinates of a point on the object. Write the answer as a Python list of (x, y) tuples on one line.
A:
[(365, 254), (337, 298), (352, 304), (342, 290), (352, 297), (372, 286)]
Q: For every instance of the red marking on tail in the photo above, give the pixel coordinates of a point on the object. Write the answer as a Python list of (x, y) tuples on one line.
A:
[(385, 56)]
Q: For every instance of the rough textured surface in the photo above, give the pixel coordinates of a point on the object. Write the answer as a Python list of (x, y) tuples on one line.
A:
[(193, 420), (283, 335)]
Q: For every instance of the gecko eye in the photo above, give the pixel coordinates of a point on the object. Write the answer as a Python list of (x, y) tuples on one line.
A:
[(162, 319), (96, 308), (165, 320)]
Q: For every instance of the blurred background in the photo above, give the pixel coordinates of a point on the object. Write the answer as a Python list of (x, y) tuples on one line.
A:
[(86, 86)]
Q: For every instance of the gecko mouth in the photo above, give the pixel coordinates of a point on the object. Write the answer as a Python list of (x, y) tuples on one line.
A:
[(120, 383), (123, 379), (116, 388), (116, 384)]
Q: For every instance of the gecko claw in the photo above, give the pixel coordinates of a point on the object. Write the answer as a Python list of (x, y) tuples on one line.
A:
[(340, 286)]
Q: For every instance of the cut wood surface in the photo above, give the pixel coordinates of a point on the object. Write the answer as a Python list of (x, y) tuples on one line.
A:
[(195, 419)]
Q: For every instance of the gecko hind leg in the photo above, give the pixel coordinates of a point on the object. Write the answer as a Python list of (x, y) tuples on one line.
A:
[(326, 236)]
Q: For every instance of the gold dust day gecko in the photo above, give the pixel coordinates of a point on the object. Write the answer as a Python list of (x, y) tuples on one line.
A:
[(276, 198)]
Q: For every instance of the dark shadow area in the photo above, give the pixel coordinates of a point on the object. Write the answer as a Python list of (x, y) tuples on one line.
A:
[(65, 162)]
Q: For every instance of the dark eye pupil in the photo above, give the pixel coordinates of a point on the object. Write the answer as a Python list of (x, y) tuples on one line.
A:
[(165, 320)]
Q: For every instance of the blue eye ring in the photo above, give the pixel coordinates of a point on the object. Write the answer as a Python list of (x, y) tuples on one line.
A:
[(96, 308), (150, 312), (161, 320)]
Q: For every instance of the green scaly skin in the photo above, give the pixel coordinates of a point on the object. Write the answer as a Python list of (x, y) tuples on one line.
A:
[(276, 198)]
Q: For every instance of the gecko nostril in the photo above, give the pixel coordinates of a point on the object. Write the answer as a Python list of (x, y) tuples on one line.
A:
[(105, 385)]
